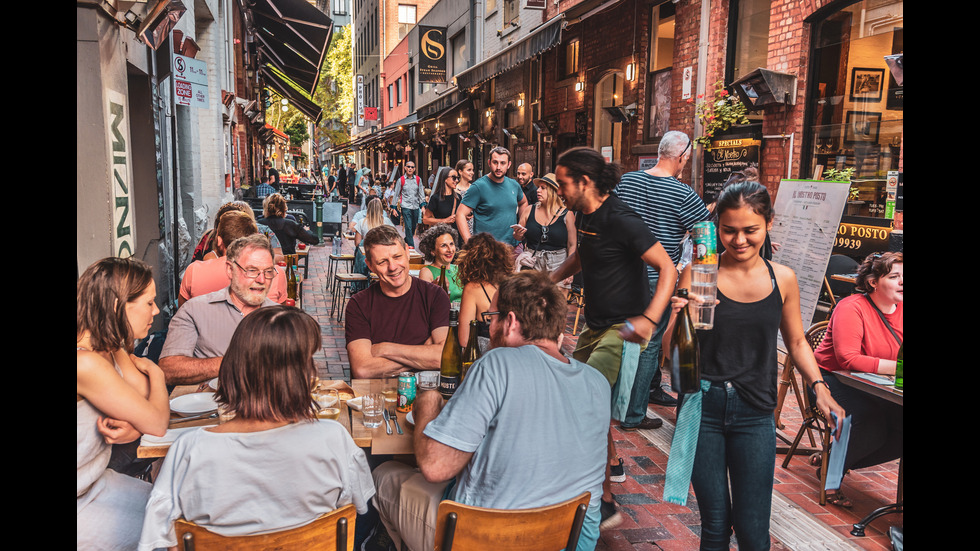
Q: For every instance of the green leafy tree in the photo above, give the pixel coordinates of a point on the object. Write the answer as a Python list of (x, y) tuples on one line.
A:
[(335, 91)]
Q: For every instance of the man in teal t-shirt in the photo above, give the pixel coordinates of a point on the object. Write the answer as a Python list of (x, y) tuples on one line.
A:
[(495, 200)]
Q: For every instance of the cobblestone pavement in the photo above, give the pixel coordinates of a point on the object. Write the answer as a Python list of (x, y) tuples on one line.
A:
[(799, 521)]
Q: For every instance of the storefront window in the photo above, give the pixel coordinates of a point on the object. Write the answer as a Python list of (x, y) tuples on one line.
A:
[(856, 110), (608, 132)]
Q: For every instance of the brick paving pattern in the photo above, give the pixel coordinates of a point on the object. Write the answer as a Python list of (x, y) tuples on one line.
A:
[(651, 524)]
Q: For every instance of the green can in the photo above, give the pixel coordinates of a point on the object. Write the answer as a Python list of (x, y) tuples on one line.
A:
[(705, 243), (406, 391)]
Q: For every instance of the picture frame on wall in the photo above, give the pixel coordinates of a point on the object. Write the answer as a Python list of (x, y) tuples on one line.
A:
[(867, 84), (862, 127)]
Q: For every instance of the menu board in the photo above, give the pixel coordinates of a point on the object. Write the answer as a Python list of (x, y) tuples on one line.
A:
[(808, 213), (727, 156)]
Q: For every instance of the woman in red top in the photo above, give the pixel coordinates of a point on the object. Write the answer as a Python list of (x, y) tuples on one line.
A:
[(864, 334)]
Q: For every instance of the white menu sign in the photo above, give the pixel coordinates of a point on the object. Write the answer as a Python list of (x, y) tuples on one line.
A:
[(807, 216), (190, 81)]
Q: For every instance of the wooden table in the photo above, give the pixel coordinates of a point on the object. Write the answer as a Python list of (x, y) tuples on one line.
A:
[(376, 441), (885, 392)]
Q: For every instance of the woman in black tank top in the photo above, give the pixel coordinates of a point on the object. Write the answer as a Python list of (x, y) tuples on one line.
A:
[(736, 441)]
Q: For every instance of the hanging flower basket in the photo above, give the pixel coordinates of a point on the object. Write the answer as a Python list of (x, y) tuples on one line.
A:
[(718, 114)]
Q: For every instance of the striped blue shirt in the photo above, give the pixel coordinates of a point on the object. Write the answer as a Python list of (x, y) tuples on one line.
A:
[(669, 207)]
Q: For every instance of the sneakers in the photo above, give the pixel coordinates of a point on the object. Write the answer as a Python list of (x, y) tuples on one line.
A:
[(661, 398), (647, 423), (378, 540), (611, 517), (617, 473)]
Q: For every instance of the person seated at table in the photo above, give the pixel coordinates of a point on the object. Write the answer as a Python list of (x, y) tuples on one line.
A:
[(202, 328), (206, 247), (487, 262), (287, 230), (274, 466), (117, 397), (526, 427), (864, 335), (399, 324), (438, 246), (374, 216), (206, 276)]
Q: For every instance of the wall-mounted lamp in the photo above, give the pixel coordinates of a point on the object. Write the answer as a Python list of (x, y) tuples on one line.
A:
[(579, 86), (631, 71), (520, 101), (459, 120), (489, 113)]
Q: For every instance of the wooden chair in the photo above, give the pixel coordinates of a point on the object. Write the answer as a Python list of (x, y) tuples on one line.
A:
[(576, 296), (813, 419), (332, 531), (542, 529)]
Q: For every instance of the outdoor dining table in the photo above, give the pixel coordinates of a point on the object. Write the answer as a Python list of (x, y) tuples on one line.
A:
[(870, 384), (376, 441)]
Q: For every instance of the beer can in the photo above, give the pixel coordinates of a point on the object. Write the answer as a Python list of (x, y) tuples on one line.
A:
[(406, 391), (705, 243)]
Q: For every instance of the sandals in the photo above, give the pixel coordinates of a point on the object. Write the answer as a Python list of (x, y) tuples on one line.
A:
[(836, 497), (816, 459)]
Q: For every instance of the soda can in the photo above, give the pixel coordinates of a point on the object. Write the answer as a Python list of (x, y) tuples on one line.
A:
[(406, 391), (705, 243)]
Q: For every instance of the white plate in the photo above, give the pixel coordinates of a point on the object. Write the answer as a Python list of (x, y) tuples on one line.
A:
[(410, 419), (213, 383), (197, 403)]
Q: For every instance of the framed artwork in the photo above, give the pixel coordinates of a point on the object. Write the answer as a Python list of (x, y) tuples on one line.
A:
[(862, 127), (867, 84)]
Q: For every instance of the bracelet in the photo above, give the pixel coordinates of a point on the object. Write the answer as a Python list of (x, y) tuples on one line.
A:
[(650, 320), (814, 384)]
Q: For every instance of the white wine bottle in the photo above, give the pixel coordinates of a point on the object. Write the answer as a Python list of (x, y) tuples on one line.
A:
[(685, 355), (451, 364)]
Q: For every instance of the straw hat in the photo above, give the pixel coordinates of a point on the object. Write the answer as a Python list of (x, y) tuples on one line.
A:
[(549, 179)]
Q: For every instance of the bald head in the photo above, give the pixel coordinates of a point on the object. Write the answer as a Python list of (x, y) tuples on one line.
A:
[(524, 174)]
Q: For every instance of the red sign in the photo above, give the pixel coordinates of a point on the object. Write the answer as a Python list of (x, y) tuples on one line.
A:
[(370, 113), (183, 89)]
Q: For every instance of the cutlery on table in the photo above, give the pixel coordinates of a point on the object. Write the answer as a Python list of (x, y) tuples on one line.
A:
[(211, 415), (384, 413), (394, 417)]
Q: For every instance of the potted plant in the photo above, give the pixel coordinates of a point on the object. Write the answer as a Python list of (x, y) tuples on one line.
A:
[(845, 175), (718, 114)]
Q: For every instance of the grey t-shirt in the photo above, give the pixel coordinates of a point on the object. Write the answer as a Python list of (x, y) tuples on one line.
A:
[(255, 482), (203, 326), (536, 426)]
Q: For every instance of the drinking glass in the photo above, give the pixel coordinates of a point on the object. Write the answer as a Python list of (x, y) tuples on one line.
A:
[(371, 406), (328, 403), (428, 380)]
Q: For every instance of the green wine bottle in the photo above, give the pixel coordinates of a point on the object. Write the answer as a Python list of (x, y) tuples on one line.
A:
[(685, 354)]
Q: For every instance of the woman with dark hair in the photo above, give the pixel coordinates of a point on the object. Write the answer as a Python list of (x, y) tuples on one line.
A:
[(117, 397), (735, 448), (865, 334), (443, 202), (438, 245), (274, 466), (467, 174), (287, 230), (486, 263)]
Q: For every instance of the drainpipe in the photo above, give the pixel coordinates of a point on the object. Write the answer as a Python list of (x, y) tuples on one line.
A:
[(701, 85)]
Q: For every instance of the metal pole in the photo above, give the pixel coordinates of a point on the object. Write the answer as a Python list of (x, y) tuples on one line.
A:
[(173, 157)]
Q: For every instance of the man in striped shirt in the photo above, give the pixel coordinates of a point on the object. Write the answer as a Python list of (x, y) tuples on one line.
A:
[(670, 209)]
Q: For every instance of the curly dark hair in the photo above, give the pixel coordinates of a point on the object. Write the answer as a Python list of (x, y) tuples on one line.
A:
[(427, 243), (486, 260), (875, 267)]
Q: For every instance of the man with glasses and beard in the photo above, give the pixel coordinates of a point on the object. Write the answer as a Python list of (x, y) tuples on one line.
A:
[(200, 332)]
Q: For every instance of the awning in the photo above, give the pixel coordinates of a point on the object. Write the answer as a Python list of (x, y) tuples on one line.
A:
[(290, 90), (539, 40), (411, 119), (293, 36)]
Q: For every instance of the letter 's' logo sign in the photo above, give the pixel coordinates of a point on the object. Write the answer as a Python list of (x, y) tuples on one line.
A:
[(431, 44)]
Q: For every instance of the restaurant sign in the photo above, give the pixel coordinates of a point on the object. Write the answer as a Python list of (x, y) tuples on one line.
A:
[(190, 81), (117, 132), (432, 50), (724, 157), (860, 240)]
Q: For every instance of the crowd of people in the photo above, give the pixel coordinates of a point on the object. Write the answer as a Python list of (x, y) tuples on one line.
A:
[(503, 252)]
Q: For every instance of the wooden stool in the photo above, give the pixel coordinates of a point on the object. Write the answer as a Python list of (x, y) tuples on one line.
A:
[(343, 281), (335, 259)]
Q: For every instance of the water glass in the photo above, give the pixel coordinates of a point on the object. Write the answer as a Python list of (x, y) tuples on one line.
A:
[(328, 403), (428, 380), (371, 407)]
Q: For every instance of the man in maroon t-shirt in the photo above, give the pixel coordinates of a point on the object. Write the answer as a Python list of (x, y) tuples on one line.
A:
[(399, 324)]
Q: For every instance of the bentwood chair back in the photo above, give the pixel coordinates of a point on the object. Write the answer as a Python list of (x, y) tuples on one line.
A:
[(813, 419), (542, 529), (332, 532)]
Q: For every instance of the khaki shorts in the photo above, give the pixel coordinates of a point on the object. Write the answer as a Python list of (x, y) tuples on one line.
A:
[(603, 350)]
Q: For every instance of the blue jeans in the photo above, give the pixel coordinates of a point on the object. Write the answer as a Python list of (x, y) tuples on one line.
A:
[(648, 370), (411, 220), (736, 443)]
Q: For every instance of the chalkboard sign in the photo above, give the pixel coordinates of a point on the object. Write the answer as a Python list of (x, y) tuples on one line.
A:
[(724, 157)]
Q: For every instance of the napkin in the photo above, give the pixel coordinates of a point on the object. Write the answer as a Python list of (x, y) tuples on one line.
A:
[(838, 451), (354, 403), (167, 439)]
